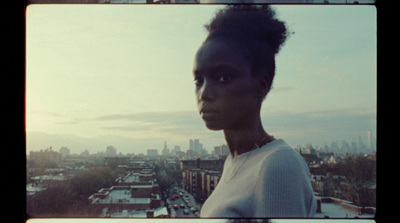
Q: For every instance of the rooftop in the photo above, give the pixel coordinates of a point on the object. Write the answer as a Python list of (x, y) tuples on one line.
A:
[(122, 196), (141, 186), (139, 214), (132, 178), (31, 189), (333, 210), (50, 177)]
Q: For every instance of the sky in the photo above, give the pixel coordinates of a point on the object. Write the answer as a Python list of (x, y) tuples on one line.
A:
[(121, 75)]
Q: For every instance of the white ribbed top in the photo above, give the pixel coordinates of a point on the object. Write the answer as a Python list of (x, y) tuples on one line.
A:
[(272, 181)]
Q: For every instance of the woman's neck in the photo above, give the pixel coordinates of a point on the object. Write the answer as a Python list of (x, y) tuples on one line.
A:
[(243, 140)]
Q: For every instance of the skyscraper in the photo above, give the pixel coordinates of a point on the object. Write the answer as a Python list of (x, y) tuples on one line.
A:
[(165, 151), (225, 150), (198, 147), (177, 148), (369, 135), (111, 151), (64, 151), (217, 150), (152, 153), (195, 146), (191, 144)]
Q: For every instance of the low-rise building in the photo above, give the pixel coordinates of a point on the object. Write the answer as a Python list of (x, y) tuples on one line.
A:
[(211, 179), (337, 186), (47, 155), (140, 177), (200, 183), (115, 161), (135, 192), (135, 197), (216, 164)]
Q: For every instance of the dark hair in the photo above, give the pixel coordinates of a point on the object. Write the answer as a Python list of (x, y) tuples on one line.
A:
[(257, 32)]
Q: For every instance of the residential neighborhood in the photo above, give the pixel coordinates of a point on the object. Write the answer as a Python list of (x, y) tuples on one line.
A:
[(175, 184)]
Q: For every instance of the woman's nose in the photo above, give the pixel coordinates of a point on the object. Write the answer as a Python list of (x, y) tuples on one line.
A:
[(206, 92)]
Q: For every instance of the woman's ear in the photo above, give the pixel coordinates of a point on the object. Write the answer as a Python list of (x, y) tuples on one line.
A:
[(265, 85)]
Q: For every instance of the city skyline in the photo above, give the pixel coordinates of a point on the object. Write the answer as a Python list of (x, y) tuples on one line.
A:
[(361, 146), (121, 75)]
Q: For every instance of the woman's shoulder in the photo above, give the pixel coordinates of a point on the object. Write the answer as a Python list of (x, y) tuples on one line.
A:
[(276, 148), (282, 157)]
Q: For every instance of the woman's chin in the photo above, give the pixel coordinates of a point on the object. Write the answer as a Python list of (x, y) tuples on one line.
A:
[(213, 127)]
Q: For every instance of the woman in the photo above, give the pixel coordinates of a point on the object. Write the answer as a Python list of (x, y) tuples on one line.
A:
[(263, 177)]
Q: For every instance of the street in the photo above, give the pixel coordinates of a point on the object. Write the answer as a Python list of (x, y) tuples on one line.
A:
[(183, 200)]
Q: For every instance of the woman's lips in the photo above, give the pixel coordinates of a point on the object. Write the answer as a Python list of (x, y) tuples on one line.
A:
[(208, 113), (207, 110)]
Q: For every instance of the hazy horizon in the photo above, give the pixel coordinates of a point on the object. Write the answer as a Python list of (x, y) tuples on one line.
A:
[(121, 75)]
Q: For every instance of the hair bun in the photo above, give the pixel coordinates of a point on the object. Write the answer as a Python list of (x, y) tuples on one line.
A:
[(251, 22)]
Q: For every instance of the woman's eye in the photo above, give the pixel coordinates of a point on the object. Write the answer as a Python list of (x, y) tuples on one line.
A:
[(224, 78), (198, 81)]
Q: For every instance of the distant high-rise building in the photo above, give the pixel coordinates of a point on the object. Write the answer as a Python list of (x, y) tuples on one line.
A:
[(177, 148), (190, 154), (325, 148), (191, 144), (362, 148), (310, 150), (64, 151), (152, 153), (44, 156), (180, 154), (111, 151), (334, 147), (345, 147), (84, 153), (224, 150), (165, 151), (196, 146), (217, 150), (354, 148), (369, 135)]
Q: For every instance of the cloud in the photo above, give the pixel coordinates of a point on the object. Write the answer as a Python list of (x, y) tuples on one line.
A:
[(182, 122), (320, 126), (137, 132), (152, 117), (76, 143), (128, 128), (73, 121), (298, 127), (330, 119), (46, 113), (284, 89)]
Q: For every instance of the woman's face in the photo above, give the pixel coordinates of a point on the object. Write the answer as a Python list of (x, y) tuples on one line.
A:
[(228, 96)]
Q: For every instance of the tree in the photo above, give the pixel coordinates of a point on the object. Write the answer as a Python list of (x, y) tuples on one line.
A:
[(88, 182), (53, 202), (70, 199), (175, 175), (360, 173)]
